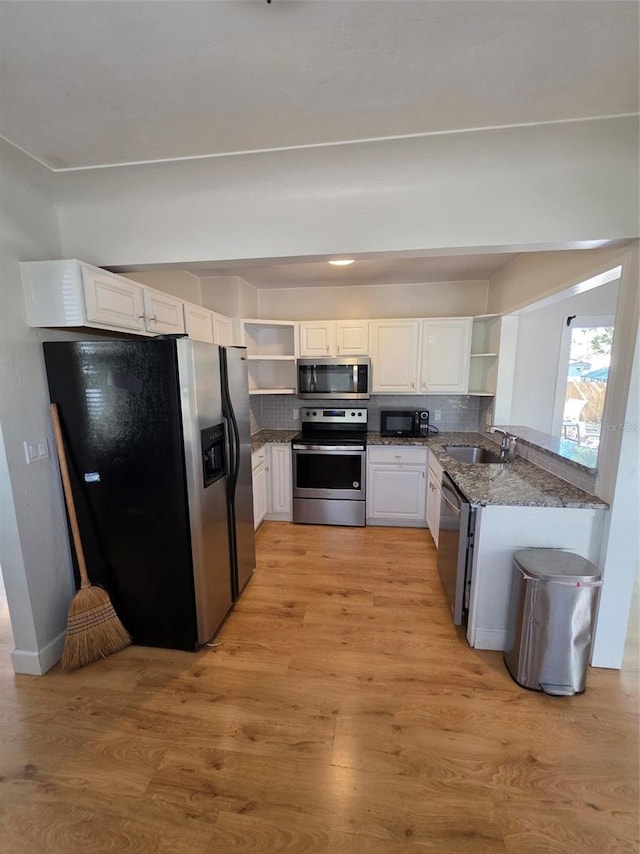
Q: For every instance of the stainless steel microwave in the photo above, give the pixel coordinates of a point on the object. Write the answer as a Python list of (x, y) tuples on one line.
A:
[(345, 378)]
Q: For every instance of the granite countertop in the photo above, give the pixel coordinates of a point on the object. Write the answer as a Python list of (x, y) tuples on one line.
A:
[(517, 483), (280, 437)]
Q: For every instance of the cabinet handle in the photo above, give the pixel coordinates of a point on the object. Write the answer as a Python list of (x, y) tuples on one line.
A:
[(423, 475), (327, 348), (398, 456), (141, 317), (153, 319), (337, 348), (413, 385)]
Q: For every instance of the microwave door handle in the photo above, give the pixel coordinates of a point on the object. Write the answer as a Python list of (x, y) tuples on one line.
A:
[(355, 379), (313, 384), (416, 423)]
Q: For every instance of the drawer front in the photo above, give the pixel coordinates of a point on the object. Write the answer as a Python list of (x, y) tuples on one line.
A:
[(258, 458), (397, 455)]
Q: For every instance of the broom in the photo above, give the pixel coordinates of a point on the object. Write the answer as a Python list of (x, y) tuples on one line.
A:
[(93, 628)]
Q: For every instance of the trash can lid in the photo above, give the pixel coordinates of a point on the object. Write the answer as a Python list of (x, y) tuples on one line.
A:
[(548, 564)]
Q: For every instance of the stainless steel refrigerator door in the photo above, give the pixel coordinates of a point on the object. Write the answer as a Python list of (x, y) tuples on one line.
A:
[(201, 400), (238, 389)]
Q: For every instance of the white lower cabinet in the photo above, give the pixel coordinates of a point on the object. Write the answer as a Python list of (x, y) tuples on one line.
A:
[(280, 503), (260, 487), (272, 487), (434, 492), (396, 486)]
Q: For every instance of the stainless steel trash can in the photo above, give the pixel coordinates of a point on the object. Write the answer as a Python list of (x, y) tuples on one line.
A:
[(553, 603)]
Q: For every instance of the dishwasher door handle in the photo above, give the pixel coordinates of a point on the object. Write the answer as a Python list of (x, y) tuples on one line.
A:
[(455, 507)]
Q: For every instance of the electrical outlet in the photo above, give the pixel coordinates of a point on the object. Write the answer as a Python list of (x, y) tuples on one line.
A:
[(36, 450), (489, 419), (437, 415), (296, 414)]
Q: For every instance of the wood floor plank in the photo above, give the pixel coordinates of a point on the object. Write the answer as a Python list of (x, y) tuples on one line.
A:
[(339, 711)]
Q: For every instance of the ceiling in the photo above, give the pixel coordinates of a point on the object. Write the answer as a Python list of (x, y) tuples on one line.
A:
[(372, 270), (87, 84), (93, 83)]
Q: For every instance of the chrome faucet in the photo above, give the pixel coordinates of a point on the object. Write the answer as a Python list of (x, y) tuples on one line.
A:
[(507, 444)]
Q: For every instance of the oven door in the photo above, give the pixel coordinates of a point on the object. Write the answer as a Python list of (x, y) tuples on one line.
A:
[(329, 472)]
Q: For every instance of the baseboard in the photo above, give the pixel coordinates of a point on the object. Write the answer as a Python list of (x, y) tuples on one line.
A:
[(37, 663), (279, 517), (495, 639)]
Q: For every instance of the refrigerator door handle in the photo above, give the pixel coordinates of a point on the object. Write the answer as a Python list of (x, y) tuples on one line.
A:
[(228, 447)]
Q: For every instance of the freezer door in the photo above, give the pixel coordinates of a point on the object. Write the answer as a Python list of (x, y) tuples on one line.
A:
[(240, 492), (202, 423), (119, 404)]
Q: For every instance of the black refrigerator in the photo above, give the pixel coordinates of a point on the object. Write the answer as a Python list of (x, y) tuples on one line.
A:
[(158, 440)]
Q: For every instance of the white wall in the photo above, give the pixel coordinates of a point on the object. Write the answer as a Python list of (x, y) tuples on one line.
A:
[(535, 276), (34, 548), (229, 295), (178, 283), (546, 185), (538, 352), (437, 299)]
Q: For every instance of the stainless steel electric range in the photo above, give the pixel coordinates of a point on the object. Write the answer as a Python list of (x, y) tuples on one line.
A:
[(329, 467)]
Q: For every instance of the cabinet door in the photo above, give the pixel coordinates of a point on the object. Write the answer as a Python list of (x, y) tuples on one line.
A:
[(222, 330), (259, 477), (394, 355), (446, 350), (397, 493), (280, 479), (163, 313), (433, 505), (198, 323), (113, 301), (317, 338), (352, 338)]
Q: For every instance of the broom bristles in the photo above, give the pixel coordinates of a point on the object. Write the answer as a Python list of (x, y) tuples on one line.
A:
[(94, 630)]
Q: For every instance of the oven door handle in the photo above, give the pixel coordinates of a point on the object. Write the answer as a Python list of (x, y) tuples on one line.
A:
[(329, 448)]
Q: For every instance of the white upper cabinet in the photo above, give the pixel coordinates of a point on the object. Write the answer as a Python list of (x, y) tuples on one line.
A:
[(334, 338), (271, 352), (394, 355), (352, 337), (163, 314), (317, 338), (222, 330), (111, 300), (446, 348), (198, 322)]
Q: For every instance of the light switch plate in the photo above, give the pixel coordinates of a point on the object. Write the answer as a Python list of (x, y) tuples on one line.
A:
[(437, 414), (36, 450)]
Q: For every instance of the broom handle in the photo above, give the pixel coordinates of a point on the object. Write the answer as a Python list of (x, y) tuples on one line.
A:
[(68, 497)]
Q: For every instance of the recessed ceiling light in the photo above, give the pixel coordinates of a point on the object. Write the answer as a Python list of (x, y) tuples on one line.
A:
[(343, 263)]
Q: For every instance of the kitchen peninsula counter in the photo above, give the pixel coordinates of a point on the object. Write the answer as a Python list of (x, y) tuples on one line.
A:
[(517, 483)]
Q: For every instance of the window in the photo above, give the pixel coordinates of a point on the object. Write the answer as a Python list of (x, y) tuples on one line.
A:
[(582, 379)]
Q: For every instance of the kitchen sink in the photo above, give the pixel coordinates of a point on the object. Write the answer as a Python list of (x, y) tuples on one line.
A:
[(471, 454)]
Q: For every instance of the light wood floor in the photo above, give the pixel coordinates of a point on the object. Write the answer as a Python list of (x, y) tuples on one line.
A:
[(341, 713)]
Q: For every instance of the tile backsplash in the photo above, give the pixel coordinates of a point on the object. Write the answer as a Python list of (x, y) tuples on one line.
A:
[(457, 412)]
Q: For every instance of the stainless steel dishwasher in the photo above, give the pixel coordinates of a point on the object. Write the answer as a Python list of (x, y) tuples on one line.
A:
[(455, 547)]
